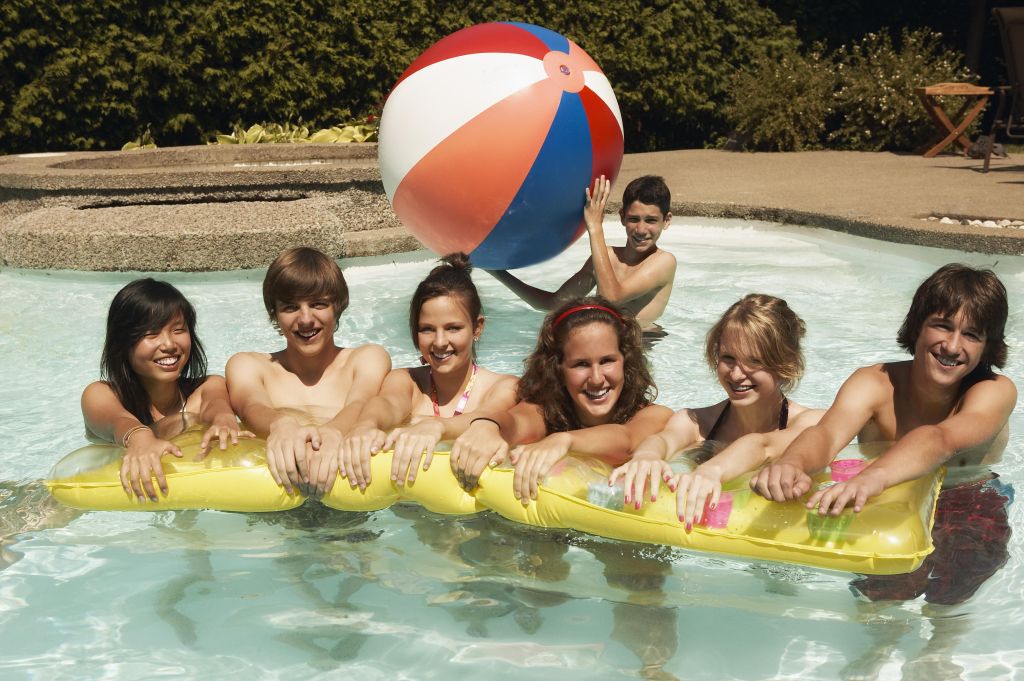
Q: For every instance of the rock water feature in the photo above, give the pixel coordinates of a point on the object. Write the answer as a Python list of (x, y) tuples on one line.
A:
[(200, 208)]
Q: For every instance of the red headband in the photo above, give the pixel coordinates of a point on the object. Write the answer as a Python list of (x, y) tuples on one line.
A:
[(579, 308)]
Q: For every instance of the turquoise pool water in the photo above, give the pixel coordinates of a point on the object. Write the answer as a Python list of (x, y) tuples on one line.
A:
[(402, 593)]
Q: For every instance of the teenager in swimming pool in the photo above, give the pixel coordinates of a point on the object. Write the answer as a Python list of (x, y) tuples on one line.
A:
[(305, 397), (754, 350), (445, 322), (154, 367), (586, 389)]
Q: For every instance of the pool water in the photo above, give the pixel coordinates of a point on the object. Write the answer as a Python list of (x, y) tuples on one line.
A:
[(406, 594)]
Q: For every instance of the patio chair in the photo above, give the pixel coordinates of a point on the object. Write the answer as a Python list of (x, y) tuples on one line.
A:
[(1009, 118)]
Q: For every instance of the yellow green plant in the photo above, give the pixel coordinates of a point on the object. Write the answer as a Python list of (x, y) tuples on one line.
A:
[(275, 133)]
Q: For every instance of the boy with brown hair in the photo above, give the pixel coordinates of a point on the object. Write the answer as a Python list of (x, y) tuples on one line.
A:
[(312, 379), (943, 407), (637, 276)]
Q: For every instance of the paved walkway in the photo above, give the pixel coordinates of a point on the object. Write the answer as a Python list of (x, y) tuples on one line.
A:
[(881, 195), (226, 207)]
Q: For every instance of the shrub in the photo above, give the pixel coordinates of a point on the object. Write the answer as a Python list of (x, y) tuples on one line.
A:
[(875, 105), (782, 103), (90, 74), (860, 97)]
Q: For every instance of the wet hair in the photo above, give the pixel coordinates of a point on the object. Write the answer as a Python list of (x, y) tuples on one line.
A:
[(304, 273), (770, 331), (955, 287), (450, 278), (146, 306), (543, 366), (649, 189)]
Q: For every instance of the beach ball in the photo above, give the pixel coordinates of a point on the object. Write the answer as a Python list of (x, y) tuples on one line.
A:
[(489, 139)]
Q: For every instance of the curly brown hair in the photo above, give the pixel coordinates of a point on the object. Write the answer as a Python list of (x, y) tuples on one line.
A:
[(543, 366)]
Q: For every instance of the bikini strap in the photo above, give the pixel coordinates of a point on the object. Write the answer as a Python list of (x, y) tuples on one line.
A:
[(719, 421), (783, 417), (460, 406)]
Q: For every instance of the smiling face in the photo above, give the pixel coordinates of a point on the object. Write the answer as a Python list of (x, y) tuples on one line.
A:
[(644, 223), (592, 372), (445, 334), (162, 354), (307, 325), (742, 375), (949, 348)]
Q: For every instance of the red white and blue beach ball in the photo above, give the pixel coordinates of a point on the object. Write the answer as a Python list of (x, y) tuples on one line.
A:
[(489, 139)]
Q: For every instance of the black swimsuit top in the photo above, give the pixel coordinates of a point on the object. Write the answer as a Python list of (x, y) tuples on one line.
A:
[(783, 418)]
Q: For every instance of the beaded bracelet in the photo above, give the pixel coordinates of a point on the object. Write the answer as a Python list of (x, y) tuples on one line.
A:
[(128, 434)]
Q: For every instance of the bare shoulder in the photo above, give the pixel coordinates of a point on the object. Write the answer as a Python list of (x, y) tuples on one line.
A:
[(803, 417), (97, 390), (500, 382), (248, 361), (881, 376), (702, 419), (656, 414), (658, 411), (212, 383), (998, 390), (371, 352)]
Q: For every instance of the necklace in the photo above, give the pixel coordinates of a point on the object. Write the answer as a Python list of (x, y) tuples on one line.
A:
[(461, 405)]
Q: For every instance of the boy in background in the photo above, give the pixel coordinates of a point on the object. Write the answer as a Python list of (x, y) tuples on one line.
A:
[(637, 276)]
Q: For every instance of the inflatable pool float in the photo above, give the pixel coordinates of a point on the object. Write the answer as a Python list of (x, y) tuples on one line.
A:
[(891, 535), (236, 479)]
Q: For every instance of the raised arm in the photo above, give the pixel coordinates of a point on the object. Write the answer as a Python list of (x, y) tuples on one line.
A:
[(858, 401), (656, 271), (983, 413)]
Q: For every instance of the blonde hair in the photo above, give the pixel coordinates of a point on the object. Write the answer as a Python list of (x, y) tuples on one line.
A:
[(771, 332)]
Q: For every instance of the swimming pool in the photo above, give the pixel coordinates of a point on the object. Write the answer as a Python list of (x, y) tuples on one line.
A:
[(402, 593)]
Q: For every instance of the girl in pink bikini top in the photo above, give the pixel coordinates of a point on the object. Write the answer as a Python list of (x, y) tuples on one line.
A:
[(445, 322)]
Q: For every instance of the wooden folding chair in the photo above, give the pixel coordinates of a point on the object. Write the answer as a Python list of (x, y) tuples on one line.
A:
[(1009, 118)]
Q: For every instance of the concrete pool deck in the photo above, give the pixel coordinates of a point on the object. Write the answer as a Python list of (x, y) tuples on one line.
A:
[(230, 207)]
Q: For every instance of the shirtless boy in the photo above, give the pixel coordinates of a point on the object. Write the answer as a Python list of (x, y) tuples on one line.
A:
[(305, 293), (637, 276), (944, 407)]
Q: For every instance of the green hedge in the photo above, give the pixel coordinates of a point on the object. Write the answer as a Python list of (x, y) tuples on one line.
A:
[(94, 74)]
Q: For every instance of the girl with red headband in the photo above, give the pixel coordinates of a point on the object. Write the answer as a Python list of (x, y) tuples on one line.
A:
[(754, 350), (586, 389), (445, 322)]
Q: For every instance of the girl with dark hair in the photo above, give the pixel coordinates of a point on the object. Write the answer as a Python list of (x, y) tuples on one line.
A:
[(445, 321), (153, 367), (754, 351), (586, 389)]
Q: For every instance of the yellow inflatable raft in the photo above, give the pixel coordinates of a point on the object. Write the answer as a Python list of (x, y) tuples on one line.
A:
[(891, 535)]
